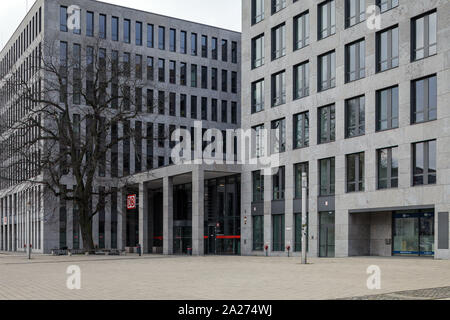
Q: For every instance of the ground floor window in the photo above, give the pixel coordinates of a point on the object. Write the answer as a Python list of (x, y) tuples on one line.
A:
[(327, 234), (413, 233), (298, 232), (258, 233), (278, 232)]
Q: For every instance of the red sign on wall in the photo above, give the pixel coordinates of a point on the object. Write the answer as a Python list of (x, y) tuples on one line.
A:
[(131, 202)]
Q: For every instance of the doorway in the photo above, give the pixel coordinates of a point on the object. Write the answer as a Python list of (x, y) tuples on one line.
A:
[(327, 234)]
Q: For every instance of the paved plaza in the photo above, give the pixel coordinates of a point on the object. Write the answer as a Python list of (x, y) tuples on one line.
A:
[(221, 277)]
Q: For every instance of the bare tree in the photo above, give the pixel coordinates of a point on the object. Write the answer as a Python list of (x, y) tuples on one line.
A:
[(69, 105)]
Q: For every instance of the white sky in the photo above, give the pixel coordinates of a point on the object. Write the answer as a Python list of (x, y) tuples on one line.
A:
[(220, 13)]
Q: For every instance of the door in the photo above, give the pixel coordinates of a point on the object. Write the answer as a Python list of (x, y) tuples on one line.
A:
[(326, 235)]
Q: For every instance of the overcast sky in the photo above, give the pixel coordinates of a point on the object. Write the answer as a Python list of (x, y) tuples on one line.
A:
[(220, 13)]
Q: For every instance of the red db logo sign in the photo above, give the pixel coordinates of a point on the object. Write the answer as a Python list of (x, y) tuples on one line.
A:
[(131, 202)]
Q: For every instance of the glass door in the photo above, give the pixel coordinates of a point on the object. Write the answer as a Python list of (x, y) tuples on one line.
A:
[(414, 234), (327, 235)]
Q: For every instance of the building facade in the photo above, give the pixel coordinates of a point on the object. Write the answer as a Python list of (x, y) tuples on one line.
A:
[(362, 108)]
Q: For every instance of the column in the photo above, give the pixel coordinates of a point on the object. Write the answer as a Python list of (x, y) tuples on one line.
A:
[(198, 211), (2, 233), (108, 213), (121, 221), (289, 235), (13, 223), (8, 223), (267, 210), (168, 215), (150, 224), (143, 217)]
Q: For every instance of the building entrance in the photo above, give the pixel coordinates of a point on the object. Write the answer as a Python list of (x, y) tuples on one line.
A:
[(413, 234), (327, 234)]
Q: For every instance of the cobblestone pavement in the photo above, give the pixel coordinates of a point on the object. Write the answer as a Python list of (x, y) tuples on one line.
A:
[(224, 278)]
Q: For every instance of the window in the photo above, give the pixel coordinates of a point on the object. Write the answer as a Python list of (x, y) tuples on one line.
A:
[(183, 74), (301, 130), (126, 31), (234, 82), (234, 112), (102, 26), (150, 36), (204, 108), (278, 232), (115, 28), (214, 78), (224, 80), (63, 19), (327, 71), (214, 49), (173, 40), (387, 164), (150, 69), (279, 41), (224, 111), (278, 5), (301, 80), (138, 66), (327, 19), (150, 101), (258, 55), (193, 107), (172, 72), (194, 44), (387, 49), (162, 38), (234, 52), (355, 12), (278, 184), (126, 64), (386, 5), (279, 88), (257, 11), (301, 30), (258, 136), (424, 163), (355, 61), (258, 96), (161, 70), (387, 109), (214, 107), (90, 24), (193, 75), (424, 100), (161, 135), (172, 104), (355, 119), (424, 36), (204, 46), (224, 50), (327, 124), (278, 136), (258, 186), (327, 177), (355, 172), (183, 105), (204, 78), (258, 233), (183, 40), (161, 102), (299, 169), (138, 33)]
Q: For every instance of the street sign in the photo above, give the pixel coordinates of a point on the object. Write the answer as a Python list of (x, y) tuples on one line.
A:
[(131, 202)]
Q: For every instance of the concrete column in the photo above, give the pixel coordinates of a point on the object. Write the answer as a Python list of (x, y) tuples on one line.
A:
[(198, 211), (2, 231), (121, 221), (8, 214), (246, 202), (150, 222), (168, 215), (289, 235), (143, 217), (108, 213), (268, 211), (13, 222)]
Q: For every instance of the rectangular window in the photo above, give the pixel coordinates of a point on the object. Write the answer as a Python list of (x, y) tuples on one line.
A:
[(355, 61), (126, 31), (172, 104), (278, 136), (278, 232), (204, 46), (257, 11), (234, 112), (386, 5), (173, 40), (355, 172), (63, 19), (301, 130), (224, 50), (183, 40), (387, 51), (301, 80), (299, 169), (258, 96), (183, 105), (278, 5), (150, 36), (193, 44), (279, 89), (90, 24), (214, 107), (149, 146), (234, 52), (102, 26), (424, 163), (161, 136), (424, 99), (193, 107), (172, 72), (327, 19), (258, 186), (258, 233), (387, 108), (327, 124), (161, 102), (183, 74), (204, 108), (150, 101), (162, 38), (424, 36), (115, 28), (387, 164), (138, 33), (224, 80), (204, 78), (355, 12), (258, 138), (214, 50), (161, 70), (234, 82), (355, 117), (278, 184), (279, 41), (301, 30), (327, 177), (327, 71), (193, 75), (150, 69), (258, 55), (224, 111)]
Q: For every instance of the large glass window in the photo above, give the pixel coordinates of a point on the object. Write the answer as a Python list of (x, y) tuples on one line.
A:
[(327, 177), (301, 80), (424, 103), (278, 89), (279, 41), (424, 163), (183, 40), (204, 46), (258, 138), (63, 19), (299, 169), (258, 55), (278, 232), (161, 70), (162, 38), (258, 186), (102, 26), (327, 19), (150, 69), (327, 124), (224, 50), (90, 24), (126, 31), (194, 44), (138, 33), (214, 49), (301, 130), (150, 36), (387, 160), (115, 28), (278, 184), (183, 74), (278, 5), (387, 108), (258, 96), (173, 40), (257, 11), (386, 5), (278, 136), (193, 75), (327, 71), (355, 117), (258, 233), (355, 61), (387, 56), (355, 172), (355, 12), (172, 72), (424, 36), (301, 30)]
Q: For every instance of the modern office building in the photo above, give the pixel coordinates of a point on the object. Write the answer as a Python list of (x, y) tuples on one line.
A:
[(361, 108), (193, 71)]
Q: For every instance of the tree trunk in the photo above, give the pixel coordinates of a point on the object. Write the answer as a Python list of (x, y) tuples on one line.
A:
[(86, 230)]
